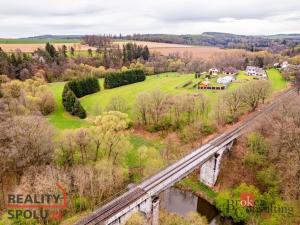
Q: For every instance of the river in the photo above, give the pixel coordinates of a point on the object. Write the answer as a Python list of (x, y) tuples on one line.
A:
[(182, 202)]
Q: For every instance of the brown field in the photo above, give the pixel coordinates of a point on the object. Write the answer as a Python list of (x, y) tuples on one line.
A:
[(33, 47), (195, 52), (162, 48), (154, 45), (188, 50)]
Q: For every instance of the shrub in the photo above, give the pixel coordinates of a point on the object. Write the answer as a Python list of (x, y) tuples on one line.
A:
[(268, 177), (256, 143), (208, 129), (191, 132), (117, 79), (48, 104), (117, 103), (238, 212), (252, 159), (71, 103), (84, 86), (80, 204)]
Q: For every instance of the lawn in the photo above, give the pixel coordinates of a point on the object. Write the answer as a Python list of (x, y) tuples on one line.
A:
[(166, 82), (278, 82), (60, 118)]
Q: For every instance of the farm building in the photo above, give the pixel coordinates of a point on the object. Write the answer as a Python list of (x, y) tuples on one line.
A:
[(276, 65), (230, 70), (213, 71), (225, 80), (284, 65), (256, 71)]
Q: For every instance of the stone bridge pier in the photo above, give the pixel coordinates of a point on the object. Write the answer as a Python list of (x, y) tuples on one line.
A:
[(209, 171), (155, 211), (149, 208)]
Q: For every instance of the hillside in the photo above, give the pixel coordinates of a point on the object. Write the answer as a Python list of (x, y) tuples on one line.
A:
[(224, 40)]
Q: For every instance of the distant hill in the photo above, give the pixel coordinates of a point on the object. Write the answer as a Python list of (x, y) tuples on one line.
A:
[(224, 40), (55, 37), (273, 43)]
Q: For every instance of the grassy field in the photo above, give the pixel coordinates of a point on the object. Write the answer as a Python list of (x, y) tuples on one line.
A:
[(60, 118), (38, 41), (166, 82), (278, 82)]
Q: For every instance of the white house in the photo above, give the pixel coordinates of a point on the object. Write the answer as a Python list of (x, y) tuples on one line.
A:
[(225, 80), (256, 71), (284, 65), (213, 71)]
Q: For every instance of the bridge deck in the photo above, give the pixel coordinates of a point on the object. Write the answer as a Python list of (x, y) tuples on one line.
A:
[(110, 209)]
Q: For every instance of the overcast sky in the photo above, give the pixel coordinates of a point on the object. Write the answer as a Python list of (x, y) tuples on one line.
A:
[(21, 18)]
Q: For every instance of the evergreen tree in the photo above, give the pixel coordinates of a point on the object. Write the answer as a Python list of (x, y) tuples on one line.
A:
[(64, 50), (51, 50), (90, 52), (72, 51), (78, 110), (259, 61), (146, 53)]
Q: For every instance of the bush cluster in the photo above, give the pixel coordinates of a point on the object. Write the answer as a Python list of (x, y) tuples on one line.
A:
[(71, 103), (117, 79), (84, 86), (76, 89)]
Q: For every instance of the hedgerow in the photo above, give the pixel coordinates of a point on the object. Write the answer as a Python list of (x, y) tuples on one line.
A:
[(76, 89), (117, 79)]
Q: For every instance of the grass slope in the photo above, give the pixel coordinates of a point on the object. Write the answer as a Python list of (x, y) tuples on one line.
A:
[(278, 82), (166, 82), (60, 118)]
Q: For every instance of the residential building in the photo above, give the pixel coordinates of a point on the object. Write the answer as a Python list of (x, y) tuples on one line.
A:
[(256, 71), (230, 70), (213, 71)]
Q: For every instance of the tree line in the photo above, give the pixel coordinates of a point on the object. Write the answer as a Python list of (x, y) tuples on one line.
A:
[(117, 79), (76, 89), (57, 64)]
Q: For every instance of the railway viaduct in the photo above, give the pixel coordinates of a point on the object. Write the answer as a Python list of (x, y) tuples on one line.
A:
[(143, 197)]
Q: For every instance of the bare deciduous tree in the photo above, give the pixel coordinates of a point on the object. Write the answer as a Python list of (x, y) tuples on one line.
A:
[(141, 108), (25, 141), (233, 100), (117, 103), (255, 91), (157, 105)]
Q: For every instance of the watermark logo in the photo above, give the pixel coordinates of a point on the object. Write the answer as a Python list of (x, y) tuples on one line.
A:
[(247, 204), (247, 199), (37, 206)]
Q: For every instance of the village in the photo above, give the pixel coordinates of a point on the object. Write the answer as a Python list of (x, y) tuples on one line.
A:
[(220, 79)]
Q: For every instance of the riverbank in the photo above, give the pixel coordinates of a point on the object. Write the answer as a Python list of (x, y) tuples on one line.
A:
[(191, 184)]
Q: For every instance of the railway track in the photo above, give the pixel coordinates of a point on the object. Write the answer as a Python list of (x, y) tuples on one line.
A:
[(150, 186)]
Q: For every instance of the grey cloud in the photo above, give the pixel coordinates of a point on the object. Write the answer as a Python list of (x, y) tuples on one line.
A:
[(38, 9), (214, 10), (32, 17)]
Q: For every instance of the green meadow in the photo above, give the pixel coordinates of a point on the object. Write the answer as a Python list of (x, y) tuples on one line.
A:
[(167, 82), (38, 41)]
